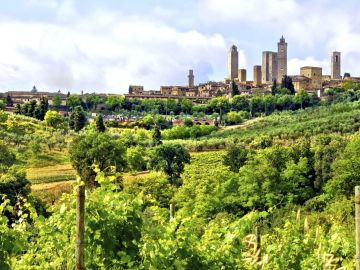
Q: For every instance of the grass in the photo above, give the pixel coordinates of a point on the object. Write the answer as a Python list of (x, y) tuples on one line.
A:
[(50, 174)]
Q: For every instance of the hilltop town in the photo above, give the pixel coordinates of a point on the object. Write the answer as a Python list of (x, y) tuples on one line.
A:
[(272, 71)]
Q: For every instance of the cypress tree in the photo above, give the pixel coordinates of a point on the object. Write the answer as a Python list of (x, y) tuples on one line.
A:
[(157, 136), (100, 127), (234, 89), (77, 119)]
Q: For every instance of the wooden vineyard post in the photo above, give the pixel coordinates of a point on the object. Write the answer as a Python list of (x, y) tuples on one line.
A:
[(172, 211), (357, 225), (80, 229)]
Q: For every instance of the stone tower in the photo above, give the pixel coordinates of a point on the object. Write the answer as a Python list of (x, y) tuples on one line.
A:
[(282, 59), (336, 65), (233, 63), (257, 76), (191, 78), (269, 67), (242, 75)]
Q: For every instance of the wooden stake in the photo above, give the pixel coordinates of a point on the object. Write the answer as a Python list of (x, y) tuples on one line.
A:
[(80, 229), (357, 225), (172, 211)]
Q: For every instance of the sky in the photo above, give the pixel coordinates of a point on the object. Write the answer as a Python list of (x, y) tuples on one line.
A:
[(105, 46)]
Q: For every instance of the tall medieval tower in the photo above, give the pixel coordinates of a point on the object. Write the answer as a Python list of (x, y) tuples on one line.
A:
[(282, 59), (191, 78), (269, 67), (336, 65), (233, 63)]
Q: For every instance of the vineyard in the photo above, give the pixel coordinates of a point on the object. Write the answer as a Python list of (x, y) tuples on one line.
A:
[(273, 194)]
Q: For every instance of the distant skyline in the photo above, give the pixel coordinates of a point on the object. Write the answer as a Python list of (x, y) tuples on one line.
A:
[(104, 46)]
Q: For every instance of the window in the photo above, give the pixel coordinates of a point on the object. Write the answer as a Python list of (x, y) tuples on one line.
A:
[(336, 58)]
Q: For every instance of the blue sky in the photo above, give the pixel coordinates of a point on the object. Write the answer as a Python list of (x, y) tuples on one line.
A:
[(104, 46)]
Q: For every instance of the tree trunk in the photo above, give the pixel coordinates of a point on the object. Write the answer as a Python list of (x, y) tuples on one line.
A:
[(80, 229), (172, 211)]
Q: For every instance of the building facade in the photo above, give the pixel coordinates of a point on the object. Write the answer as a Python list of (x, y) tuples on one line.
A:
[(315, 74), (269, 67), (257, 76), (336, 66), (282, 59), (233, 63)]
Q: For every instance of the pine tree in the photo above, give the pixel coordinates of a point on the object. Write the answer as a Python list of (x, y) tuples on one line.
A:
[(100, 127), (234, 89)]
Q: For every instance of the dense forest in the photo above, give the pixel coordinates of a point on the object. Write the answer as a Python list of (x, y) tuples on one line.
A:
[(273, 193)]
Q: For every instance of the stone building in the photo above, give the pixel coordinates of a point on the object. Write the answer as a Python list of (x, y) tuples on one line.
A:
[(301, 83), (282, 59), (315, 74), (336, 66), (191, 78), (269, 67), (233, 63), (242, 75), (257, 76), (136, 89)]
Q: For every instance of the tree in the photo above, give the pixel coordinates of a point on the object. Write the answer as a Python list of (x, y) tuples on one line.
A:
[(56, 102), (99, 149), (87, 150), (274, 87), (156, 136), (286, 82), (7, 158), (135, 158), (235, 157), (34, 89), (100, 127), (239, 103), (73, 101), (302, 98), (171, 160), (77, 119), (17, 109), (186, 105), (41, 109), (53, 119), (2, 105), (9, 101), (113, 103), (234, 89)]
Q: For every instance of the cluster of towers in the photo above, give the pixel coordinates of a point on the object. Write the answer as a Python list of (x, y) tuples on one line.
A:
[(274, 66)]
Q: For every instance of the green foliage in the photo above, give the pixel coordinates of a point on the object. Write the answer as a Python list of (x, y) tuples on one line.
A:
[(135, 158), (99, 149), (100, 127), (233, 118), (171, 160), (7, 158), (234, 89), (346, 170), (2, 105), (54, 119), (73, 101), (56, 102), (156, 136), (286, 82), (77, 119), (184, 132), (235, 157)]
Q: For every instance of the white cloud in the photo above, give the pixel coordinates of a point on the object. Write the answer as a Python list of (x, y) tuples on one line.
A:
[(295, 64), (101, 54)]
